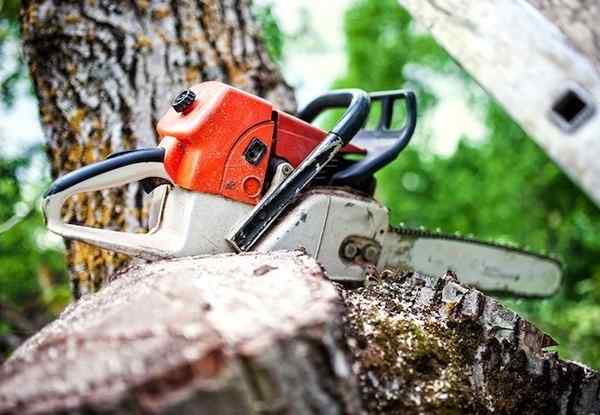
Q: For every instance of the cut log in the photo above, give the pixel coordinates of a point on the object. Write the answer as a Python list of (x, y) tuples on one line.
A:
[(267, 333), (540, 59), (225, 334)]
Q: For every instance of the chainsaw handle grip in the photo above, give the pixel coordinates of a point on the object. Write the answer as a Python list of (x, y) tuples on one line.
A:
[(398, 140), (357, 102), (115, 171), (111, 164)]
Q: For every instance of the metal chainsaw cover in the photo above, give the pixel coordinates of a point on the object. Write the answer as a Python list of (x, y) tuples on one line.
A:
[(210, 143), (320, 223)]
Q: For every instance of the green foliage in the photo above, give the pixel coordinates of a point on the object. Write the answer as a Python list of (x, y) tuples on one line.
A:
[(380, 42), (504, 189), (33, 284), (32, 271), (12, 68), (270, 28), (9, 9)]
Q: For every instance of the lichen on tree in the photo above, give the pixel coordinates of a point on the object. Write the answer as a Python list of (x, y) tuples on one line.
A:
[(423, 345)]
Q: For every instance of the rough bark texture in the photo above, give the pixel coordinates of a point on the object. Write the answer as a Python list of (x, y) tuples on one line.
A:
[(105, 72), (264, 333), (435, 347)]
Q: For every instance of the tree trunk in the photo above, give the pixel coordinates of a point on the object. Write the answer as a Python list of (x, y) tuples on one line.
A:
[(423, 346), (105, 72), (267, 333)]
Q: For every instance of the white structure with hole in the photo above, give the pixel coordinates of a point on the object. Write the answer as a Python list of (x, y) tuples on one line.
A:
[(538, 59)]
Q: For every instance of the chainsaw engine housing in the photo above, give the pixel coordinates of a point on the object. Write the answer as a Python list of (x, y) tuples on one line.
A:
[(341, 228), (223, 141)]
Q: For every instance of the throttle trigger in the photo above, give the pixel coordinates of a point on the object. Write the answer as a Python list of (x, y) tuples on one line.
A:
[(151, 183)]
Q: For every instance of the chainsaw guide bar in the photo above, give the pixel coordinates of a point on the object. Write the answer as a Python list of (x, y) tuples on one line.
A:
[(486, 265), (425, 233)]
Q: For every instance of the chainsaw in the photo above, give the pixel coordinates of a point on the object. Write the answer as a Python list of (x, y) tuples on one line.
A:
[(233, 174)]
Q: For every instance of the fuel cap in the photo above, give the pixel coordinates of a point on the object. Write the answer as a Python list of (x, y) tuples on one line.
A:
[(184, 100)]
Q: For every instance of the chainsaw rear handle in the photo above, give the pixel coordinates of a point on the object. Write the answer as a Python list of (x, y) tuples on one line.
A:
[(245, 235), (376, 158), (115, 171)]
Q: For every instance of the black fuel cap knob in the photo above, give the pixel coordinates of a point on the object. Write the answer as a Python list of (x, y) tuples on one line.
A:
[(184, 100)]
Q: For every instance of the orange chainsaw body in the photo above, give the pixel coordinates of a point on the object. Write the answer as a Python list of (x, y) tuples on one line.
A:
[(209, 147)]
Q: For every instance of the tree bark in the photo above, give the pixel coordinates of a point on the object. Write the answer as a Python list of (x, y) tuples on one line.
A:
[(267, 333), (104, 73), (424, 346)]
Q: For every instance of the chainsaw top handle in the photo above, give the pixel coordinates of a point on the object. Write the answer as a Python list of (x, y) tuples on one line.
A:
[(113, 162), (247, 233), (117, 170), (352, 120), (383, 143)]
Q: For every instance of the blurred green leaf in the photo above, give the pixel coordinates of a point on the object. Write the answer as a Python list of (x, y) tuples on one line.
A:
[(33, 282), (271, 32), (9, 9), (12, 68)]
